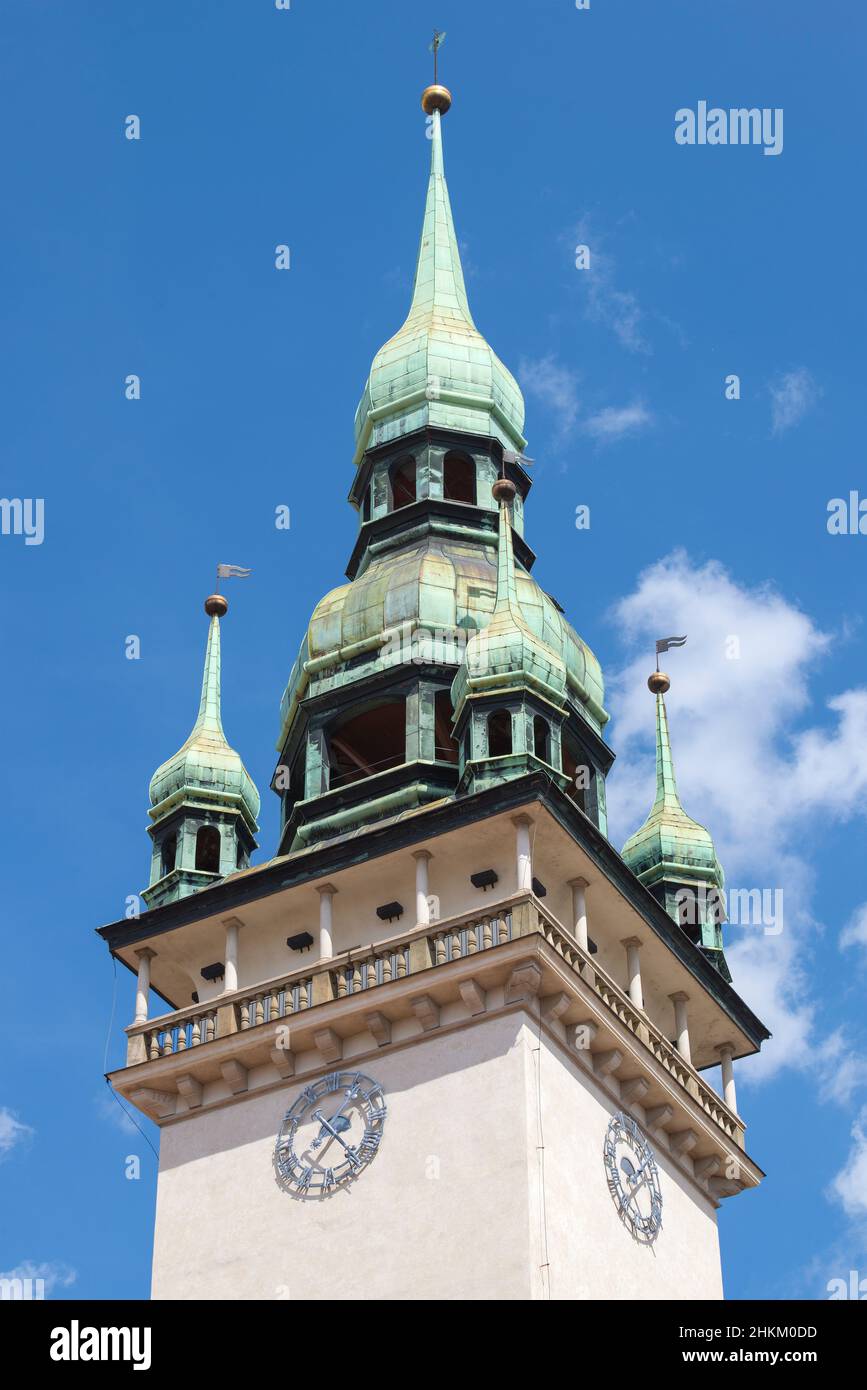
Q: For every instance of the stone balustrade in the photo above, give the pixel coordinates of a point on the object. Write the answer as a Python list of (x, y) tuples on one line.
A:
[(396, 959)]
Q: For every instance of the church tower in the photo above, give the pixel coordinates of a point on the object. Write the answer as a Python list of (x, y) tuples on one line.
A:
[(447, 1041)]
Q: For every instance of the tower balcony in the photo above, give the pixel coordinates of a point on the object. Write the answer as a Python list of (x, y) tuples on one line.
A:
[(440, 976)]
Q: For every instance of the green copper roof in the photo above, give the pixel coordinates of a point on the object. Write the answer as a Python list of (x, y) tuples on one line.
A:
[(438, 369), (670, 844), (507, 653), (434, 582), (206, 769)]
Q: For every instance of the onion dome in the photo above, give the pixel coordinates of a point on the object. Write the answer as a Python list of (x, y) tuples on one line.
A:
[(434, 583), (206, 769), (507, 653), (670, 845), (438, 369)]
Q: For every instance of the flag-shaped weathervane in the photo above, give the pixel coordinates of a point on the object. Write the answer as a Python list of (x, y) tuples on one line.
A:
[(434, 48), (232, 572), (663, 644)]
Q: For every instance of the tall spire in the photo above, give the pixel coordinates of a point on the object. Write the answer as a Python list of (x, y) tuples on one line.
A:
[(666, 786), (507, 591), (506, 653), (438, 287), (438, 369), (673, 855), (209, 704), (203, 791)]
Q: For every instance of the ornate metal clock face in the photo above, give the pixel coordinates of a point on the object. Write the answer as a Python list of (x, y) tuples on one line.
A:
[(330, 1134), (633, 1178)]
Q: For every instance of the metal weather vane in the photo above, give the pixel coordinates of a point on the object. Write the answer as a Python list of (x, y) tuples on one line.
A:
[(664, 643), (231, 572), (434, 48)]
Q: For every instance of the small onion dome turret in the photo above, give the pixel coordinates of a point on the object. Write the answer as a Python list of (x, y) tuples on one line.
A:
[(206, 769), (670, 844), (507, 654)]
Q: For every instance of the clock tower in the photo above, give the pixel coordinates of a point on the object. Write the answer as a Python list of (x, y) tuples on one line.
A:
[(447, 1043)]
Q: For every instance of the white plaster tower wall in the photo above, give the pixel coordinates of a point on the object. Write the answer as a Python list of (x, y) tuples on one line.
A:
[(450, 1207)]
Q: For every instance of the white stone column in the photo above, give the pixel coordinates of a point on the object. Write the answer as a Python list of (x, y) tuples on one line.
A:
[(579, 911), (326, 893), (422, 858), (230, 977), (726, 1056), (633, 969), (524, 863), (681, 1024), (144, 956)]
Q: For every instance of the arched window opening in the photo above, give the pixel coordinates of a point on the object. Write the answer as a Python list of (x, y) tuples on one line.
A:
[(208, 849), (445, 747), (459, 478), (542, 738), (365, 505), (402, 483), (169, 853), (370, 742), (578, 771), (499, 733)]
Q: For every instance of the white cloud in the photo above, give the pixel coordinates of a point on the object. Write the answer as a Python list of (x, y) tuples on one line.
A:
[(556, 387), (855, 931), (12, 1131), (740, 689), (792, 395), (615, 309), (613, 423), (849, 1187), (55, 1275), (113, 1112)]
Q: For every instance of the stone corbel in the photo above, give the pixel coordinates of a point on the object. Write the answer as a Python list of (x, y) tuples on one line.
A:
[(159, 1103), (606, 1063), (379, 1027), (191, 1090), (635, 1089), (554, 1006), (284, 1060), (657, 1118), (235, 1076), (474, 997), (683, 1141), (524, 982), (426, 1011), (329, 1044)]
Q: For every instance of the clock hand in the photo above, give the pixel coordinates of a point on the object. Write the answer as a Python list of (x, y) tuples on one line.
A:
[(635, 1188), (338, 1115), (637, 1174), (351, 1154), (327, 1127)]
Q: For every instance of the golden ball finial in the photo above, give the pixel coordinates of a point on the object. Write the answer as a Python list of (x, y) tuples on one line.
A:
[(504, 490), (658, 683), (436, 98), (216, 606)]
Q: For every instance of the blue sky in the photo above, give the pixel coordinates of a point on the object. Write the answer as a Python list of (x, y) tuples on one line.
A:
[(708, 515)]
